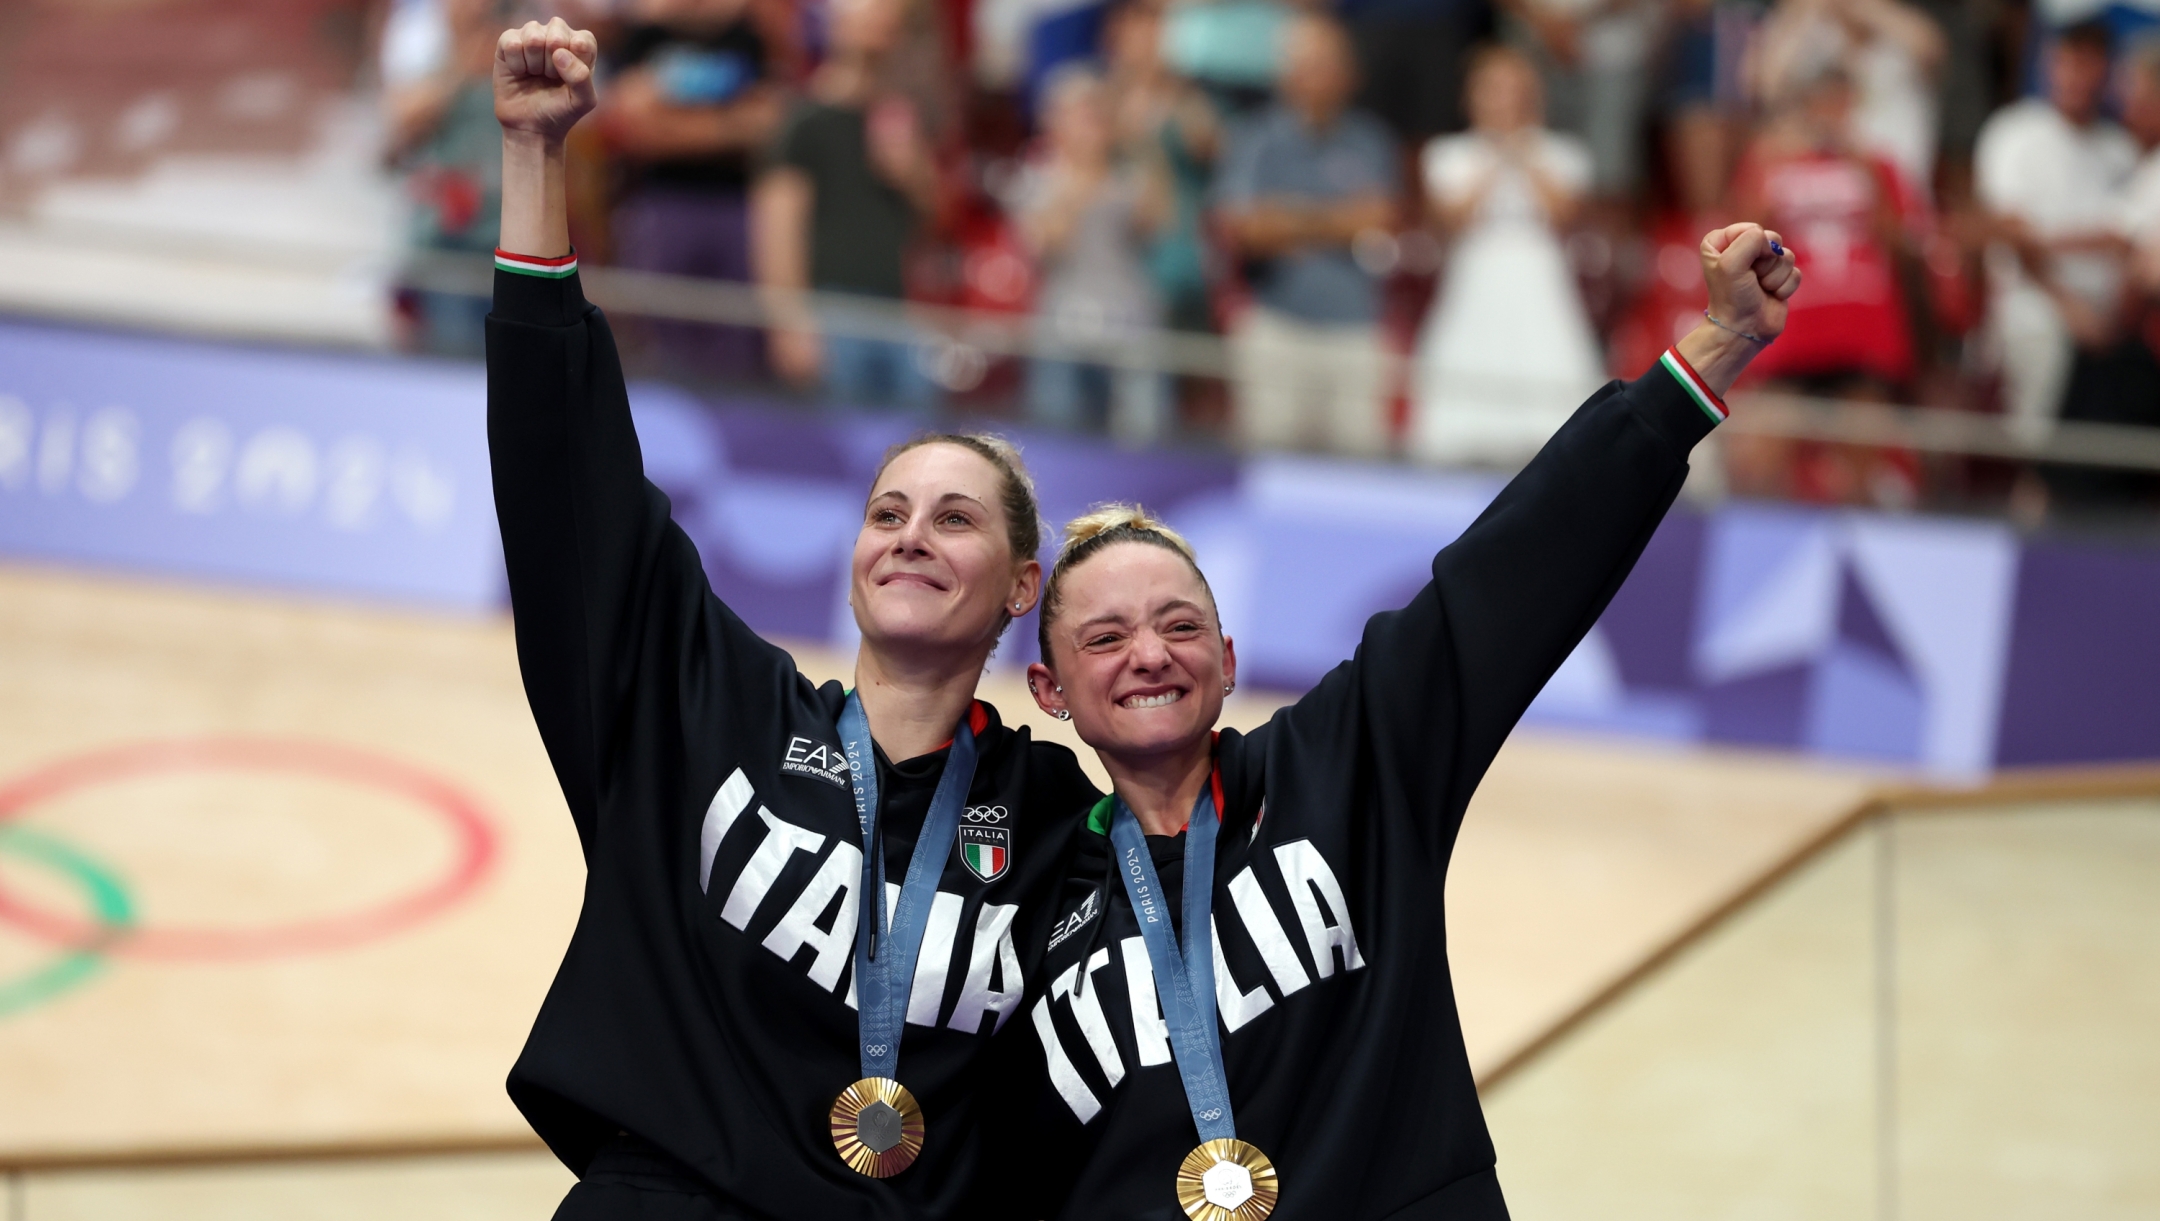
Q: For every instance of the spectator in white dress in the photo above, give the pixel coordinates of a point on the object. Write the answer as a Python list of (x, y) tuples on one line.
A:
[(1508, 350)]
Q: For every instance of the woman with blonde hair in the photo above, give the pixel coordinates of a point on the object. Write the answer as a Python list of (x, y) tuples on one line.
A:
[(806, 910), (1248, 1009)]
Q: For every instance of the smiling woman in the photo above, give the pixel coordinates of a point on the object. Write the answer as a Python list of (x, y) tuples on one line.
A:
[(1145, 651), (1261, 912), (944, 563), (751, 1020)]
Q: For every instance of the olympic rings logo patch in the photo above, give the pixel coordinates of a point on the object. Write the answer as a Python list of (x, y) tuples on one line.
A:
[(984, 814)]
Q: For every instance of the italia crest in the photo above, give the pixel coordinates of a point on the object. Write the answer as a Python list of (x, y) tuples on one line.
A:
[(986, 851)]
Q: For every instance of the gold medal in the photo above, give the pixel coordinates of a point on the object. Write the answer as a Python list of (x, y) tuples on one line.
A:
[(1227, 1180), (878, 1128)]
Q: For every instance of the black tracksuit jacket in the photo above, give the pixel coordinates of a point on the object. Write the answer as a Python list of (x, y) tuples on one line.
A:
[(1340, 1036), (705, 1004)]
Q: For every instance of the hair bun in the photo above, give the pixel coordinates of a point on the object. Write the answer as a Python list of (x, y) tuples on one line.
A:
[(1117, 518)]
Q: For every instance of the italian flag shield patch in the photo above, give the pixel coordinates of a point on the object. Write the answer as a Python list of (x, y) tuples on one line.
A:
[(986, 851)]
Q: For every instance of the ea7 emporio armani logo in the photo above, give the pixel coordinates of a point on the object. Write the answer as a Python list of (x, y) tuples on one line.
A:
[(1073, 923), (817, 760)]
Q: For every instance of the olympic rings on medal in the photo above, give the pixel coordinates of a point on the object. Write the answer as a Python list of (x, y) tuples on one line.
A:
[(472, 856), (113, 910)]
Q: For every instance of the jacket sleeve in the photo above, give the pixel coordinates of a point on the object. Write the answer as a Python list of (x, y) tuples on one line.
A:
[(611, 601), (1436, 687)]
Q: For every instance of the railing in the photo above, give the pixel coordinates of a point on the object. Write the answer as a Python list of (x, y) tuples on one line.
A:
[(977, 335), (1941, 1007)]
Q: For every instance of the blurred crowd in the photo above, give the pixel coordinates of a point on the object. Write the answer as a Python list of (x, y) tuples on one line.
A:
[(1425, 227)]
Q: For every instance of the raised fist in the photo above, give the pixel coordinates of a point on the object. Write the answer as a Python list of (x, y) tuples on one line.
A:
[(1749, 282), (544, 78)]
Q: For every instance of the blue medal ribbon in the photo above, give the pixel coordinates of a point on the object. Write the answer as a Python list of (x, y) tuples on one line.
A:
[(885, 954), (1185, 982)]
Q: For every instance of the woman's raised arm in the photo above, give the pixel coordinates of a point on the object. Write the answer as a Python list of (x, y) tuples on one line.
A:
[(608, 594), (1437, 686), (543, 86)]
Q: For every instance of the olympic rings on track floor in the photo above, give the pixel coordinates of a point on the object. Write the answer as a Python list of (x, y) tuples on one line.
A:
[(113, 910), (472, 833)]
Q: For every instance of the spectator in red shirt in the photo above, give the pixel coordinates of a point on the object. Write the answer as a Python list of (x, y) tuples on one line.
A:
[(1848, 215)]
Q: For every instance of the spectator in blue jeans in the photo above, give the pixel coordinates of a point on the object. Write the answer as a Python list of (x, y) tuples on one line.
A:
[(848, 183), (1304, 188)]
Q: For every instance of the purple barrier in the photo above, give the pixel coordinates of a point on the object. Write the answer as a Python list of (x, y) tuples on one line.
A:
[(1948, 646), (340, 474), (2084, 666)]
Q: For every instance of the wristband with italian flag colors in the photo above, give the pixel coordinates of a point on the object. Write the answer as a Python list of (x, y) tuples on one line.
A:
[(1692, 382), (561, 268)]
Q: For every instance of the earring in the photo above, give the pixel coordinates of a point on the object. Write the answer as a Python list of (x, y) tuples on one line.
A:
[(1064, 714), (1016, 608), (1032, 690), (1227, 688), (1061, 690)]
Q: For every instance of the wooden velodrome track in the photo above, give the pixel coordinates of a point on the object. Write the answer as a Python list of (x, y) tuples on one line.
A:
[(281, 878)]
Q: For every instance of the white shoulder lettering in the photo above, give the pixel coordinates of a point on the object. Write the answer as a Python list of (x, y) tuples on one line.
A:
[(1151, 1035), (840, 874), (992, 949), (733, 797), (1237, 1007), (1305, 871), (933, 962), (782, 840), (1078, 983), (1062, 1074), (1258, 916)]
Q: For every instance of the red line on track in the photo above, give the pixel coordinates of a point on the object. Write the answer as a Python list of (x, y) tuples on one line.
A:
[(469, 825)]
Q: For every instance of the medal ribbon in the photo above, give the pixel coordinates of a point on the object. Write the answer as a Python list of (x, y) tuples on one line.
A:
[(1185, 982), (885, 955)]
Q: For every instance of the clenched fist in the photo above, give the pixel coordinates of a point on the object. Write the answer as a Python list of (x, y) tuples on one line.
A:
[(544, 78), (1749, 281)]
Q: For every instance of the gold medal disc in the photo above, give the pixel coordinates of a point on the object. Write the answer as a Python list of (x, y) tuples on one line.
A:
[(878, 1128), (1227, 1180)]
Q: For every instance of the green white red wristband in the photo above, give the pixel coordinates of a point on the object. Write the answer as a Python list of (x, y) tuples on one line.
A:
[(561, 268), (1693, 384)]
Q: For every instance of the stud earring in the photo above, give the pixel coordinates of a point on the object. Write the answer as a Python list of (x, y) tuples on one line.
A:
[(1064, 714), (1227, 688)]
